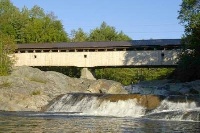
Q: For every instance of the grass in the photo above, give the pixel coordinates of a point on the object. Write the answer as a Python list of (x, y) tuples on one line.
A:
[(36, 92), (38, 80), (5, 84)]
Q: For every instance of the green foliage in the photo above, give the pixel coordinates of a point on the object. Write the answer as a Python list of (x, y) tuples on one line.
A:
[(78, 36), (69, 71), (36, 92), (189, 64), (35, 26), (132, 75), (7, 47), (5, 84), (39, 80), (107, 33), (9, 16), (30, 26), (102, 33)]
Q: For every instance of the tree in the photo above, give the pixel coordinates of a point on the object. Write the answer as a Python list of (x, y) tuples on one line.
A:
[(107, 33), (7, 47), (43, 27), (189, 64), (78, 36), (30, 26), (9, 15)]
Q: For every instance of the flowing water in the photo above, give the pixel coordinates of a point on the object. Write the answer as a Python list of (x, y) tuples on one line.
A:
[(108, 113)]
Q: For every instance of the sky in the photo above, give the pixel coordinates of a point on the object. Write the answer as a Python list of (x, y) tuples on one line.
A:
[(139, 19)]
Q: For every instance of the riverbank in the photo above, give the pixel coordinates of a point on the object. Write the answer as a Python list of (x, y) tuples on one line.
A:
[(30, 89)]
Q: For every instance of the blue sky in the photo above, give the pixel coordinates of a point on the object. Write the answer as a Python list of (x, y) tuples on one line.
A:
[(139, 19)]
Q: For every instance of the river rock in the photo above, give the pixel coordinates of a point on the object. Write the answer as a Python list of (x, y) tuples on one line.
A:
[(165, 88), (29, 89), (106, 86), (148, 101)]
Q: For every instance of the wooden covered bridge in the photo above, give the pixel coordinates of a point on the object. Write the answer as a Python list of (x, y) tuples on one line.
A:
[(135, 53)]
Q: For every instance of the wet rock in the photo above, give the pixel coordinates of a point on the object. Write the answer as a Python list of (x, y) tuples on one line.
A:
[(82, 101), (148, 101)]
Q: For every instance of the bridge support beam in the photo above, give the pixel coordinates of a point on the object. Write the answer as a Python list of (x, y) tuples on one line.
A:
[(85, 73)]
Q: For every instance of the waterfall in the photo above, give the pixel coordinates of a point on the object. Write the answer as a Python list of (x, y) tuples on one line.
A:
[(180, 108), (127, 105), (99, 105)]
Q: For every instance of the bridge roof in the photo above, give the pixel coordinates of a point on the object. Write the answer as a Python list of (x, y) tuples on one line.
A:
[(109, 44)]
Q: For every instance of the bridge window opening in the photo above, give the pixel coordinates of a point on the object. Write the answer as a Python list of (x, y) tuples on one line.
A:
[(119, 49), (45, 50), (22, 51), (30, 51), (80, 50), (101, 50), (54, 50), (37, 51), (72, 50), (92, 50), (63, 50), (85, 56), (35, 56), (110, 49)]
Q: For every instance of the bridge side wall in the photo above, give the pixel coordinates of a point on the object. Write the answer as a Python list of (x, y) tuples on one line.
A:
[(94, 59)]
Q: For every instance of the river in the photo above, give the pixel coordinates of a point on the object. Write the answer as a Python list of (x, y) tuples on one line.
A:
[(66, 122), (91, 113)]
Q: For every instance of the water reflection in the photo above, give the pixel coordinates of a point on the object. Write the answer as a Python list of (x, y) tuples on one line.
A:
[(76, 123)]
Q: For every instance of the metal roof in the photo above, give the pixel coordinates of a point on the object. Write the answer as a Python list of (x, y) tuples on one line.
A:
[(109, 44)]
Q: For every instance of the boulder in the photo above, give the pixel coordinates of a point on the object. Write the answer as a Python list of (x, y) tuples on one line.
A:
[(29, 89), (133, 89), (165, 88), (106, 86)]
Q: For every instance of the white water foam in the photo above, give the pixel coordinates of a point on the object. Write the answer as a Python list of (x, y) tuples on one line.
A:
[(94, 106), (98, 106), (119, 108), (57, 105), (175, 106), (178, 111)]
